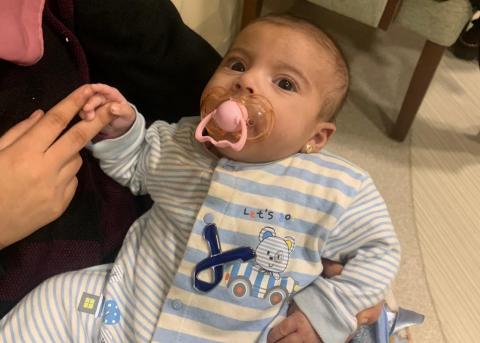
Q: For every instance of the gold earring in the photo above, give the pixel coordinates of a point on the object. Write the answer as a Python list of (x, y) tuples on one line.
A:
[(308, 148)]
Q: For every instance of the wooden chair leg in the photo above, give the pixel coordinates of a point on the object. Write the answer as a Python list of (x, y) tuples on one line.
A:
[(391, 10), (422, 76), (251, 10)]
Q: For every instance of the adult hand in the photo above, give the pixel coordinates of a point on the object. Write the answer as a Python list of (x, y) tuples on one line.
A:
[(124, 114), (38, 165), (297, 328)]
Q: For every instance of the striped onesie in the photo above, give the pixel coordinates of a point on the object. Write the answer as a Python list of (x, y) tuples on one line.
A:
[(292, 213)]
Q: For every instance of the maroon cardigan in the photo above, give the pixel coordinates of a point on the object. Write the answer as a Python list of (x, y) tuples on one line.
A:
[(141, 47)]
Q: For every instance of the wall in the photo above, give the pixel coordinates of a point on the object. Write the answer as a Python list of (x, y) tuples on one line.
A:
[(219, 20), (215, 20)]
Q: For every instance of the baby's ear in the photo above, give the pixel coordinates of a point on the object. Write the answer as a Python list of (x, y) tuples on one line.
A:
[(323, 132)]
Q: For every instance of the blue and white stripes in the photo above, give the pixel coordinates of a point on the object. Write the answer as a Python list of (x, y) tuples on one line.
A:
[(319, 204)]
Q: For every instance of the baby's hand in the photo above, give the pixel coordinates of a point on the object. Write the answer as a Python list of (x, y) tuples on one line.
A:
[(118, 105), (294, 328)]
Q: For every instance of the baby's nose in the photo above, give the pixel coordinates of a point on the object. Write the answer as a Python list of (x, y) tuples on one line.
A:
[(241, 88), (246, 83)]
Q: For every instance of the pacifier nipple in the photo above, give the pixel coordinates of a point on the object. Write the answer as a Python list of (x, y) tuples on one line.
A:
[(229, 123), (228, 116)]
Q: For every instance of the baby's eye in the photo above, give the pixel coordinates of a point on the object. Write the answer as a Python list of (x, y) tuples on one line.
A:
[(238, 66), (287, 85)]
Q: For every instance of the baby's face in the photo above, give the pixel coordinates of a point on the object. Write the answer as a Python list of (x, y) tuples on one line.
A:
[(287, 68)]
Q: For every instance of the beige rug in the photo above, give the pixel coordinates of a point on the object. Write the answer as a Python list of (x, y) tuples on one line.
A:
[(446, 192)]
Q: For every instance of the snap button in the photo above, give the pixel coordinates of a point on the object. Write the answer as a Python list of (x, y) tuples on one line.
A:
[(177, 304), (208, 218)]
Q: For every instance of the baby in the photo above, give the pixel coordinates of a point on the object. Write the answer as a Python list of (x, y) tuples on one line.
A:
[(246, 205)]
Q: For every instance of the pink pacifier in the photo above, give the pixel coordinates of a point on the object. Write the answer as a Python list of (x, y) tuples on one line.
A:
[(232, 121)]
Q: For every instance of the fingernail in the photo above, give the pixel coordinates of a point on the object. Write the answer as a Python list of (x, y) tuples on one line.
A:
[(114, 109), (36, 114)]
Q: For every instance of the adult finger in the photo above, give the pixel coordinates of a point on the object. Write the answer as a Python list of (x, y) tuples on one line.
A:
[(92, 103), (79, 135), (70, 168), (331, 268), (56, 119), (294, 337), (62, 199), (18, 130), (69, 193), (281, 330), (370, 315)]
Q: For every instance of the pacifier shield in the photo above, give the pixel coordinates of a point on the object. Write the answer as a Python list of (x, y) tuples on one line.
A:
[(256, 112)]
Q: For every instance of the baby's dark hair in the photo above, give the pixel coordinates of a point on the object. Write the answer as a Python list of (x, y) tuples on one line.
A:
[(337, 92)]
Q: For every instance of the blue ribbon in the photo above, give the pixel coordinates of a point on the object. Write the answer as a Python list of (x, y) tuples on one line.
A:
[(217, 259)]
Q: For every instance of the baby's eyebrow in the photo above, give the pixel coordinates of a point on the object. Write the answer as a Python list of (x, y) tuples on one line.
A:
[(240, 51), (295, 71)]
